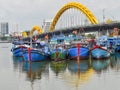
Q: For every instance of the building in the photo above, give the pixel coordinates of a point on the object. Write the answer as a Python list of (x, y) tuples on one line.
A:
[(46, 25), (4, 28)]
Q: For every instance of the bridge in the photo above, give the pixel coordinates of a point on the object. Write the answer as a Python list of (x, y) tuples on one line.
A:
[(90, 28), (94, 26)]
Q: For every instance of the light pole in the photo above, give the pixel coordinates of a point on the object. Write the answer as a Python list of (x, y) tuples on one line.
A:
[(103, 15)]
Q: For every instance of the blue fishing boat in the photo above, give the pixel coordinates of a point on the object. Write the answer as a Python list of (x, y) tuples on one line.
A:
[(83, 52), (61, 39), (102, 41), (99, 52), (53, 40), (18, 50), (78, 48), (17, 41), (18, 47), (117, 44), (34, 55), (111, 42)]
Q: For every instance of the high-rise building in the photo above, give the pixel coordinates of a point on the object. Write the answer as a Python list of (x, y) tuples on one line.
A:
[(46, 25), (4, 28)]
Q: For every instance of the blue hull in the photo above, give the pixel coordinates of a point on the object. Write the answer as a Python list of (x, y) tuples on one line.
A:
[(34, 55), (117, 48), (18, 52), (99, 53), (118, 45), (73, 53)]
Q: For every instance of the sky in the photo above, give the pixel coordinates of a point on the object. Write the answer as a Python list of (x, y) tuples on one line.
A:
[(24, 14)]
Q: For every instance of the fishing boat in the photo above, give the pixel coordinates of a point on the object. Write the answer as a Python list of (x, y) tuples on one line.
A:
[(111, 44), (98, 52), (111, 41), (39, 52), (58, 53), (117, 44), (78, 49), (18, 50), (58, 48), (53, 40), (18, 47), (102, 41), (34, 55)]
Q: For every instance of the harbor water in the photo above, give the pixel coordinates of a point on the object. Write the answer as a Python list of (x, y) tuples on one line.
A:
[(15, 74)]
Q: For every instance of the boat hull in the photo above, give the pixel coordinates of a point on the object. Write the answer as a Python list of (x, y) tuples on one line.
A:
[(99, 53), (117, 48), (59, 55), (34, 55), (18, 51), (73, 53)]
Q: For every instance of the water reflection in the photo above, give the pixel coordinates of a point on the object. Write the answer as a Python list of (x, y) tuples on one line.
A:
[(99, 65), (17, 59), (70, 74), (78, 73), (17, 62), (115, 61), (34, 69), (76, 67), (58, 67)]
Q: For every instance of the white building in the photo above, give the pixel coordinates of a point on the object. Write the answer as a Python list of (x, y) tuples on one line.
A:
[(4, 28), (46, 25)]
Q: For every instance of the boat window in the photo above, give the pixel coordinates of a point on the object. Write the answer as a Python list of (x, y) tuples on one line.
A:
[(60, 40)]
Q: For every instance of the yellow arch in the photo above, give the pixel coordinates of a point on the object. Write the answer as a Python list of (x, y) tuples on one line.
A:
[(24, 34), (36, 28), (78, 6)]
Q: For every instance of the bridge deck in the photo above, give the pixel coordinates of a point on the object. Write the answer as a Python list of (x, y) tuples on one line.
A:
[(90, 28)]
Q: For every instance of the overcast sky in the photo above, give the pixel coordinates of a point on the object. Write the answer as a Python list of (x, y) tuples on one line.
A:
[(27, 13)]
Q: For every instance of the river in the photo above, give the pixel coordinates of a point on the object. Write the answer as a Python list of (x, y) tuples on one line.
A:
[(15, 74)]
